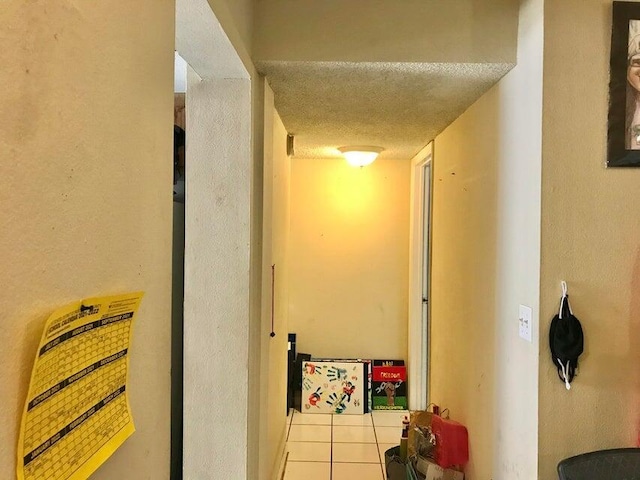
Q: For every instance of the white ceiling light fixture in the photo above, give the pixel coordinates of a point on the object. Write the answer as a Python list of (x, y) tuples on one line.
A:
[(360, 155)]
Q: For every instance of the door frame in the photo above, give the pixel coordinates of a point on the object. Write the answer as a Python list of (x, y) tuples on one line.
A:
[(418, 331), (220, 277)]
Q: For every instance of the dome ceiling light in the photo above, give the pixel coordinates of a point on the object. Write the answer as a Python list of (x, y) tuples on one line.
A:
[(359, 155)]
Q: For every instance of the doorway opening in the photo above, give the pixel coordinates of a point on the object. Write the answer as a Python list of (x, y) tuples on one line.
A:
[(215, 390), (177, 301)]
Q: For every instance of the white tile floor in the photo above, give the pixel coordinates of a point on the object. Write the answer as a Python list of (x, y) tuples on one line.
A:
[(340, 447)]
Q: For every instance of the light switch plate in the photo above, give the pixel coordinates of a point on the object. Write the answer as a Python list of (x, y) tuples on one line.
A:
[(524, 319)]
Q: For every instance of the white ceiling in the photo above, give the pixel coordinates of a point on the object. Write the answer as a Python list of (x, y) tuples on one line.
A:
[(389, 73), (397, 106)]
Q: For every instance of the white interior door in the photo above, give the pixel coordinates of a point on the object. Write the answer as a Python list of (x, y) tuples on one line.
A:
[(419, 287), (426, 269)]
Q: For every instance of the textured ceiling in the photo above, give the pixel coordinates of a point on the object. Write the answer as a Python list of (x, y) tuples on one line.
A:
[(397, 106)]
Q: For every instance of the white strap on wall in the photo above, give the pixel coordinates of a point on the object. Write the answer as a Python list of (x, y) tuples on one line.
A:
[(565, 298)]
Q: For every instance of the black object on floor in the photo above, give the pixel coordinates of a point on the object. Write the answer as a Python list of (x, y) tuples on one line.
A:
[(291, 363), (297, 379), (395, 468)]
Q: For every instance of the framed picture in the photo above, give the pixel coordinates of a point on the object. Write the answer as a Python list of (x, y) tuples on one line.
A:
[(623, 145)]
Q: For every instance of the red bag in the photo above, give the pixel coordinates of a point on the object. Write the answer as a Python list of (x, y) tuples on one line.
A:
[(452, 442)]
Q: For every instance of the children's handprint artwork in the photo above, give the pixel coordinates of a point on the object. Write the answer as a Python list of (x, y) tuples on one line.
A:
[(315, 397), (337, 402), (312, 368), (336, 374), (348, 388), (307, 383), (334, 387)]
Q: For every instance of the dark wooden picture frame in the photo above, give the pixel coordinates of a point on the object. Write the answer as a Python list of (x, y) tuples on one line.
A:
[(623, 145)]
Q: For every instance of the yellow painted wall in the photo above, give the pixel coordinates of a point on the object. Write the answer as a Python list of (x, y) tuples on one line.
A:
[(349, 258), (463, 310), (277, 180), (242, 13), (423, 30), (86, 111), (591, 239), (485, 261)]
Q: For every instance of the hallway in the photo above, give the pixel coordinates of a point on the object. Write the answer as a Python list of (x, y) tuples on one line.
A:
[(340, 447), (282, 236)]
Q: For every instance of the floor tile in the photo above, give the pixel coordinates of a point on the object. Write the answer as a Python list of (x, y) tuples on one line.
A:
[(355, 420), (352, 434), (356, 444), (307, 471), (388, 435), (311, 419), (310, 433), (355, 453), (389, 419), (357, 471), (309, 452)]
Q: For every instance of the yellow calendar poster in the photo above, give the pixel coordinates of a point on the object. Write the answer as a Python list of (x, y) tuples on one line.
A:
[(77, 410)]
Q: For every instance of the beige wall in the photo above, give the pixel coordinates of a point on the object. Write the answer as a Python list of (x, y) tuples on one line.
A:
[(349, 258), (277, 179), (590, 238), (237, 18), (85, 184), (423, 30), (242, 13), (486, 229)]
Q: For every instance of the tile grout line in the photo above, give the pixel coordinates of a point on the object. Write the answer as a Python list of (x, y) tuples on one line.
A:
[(286, 442), (331, 457), (375, 433), (293, 412), (332, 441)]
